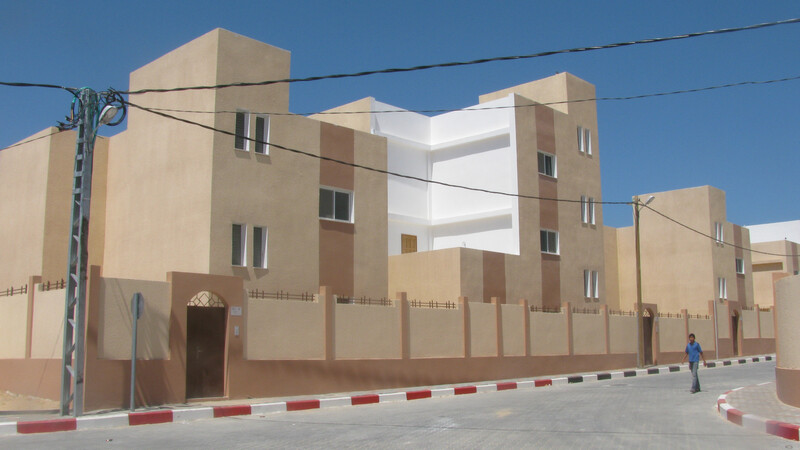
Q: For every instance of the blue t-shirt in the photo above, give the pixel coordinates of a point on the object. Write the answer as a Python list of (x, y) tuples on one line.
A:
[(694, 350)]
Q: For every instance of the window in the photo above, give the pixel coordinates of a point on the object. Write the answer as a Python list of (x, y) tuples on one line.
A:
[(587, 210), (408, 243), (238, 240), (739, 265), (260, 247), (242, 130), (549, 241), (335, 204), (547, 164), (591, 284), (722, 287), (719, 235), (585, 140), (262, 135)]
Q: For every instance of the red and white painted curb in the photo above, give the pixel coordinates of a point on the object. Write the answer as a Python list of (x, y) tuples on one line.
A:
[(115, 420), (753, 422)]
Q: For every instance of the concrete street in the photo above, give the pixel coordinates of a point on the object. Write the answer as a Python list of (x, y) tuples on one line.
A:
[(651, 411)]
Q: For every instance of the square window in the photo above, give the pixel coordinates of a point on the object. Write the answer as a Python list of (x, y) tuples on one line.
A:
[(549, 241), (242, 131), (335, 204), (260, 247), (262, 135), (238, 240), (547, 164)]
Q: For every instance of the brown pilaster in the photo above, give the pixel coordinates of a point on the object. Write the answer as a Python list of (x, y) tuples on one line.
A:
[(464, 304)]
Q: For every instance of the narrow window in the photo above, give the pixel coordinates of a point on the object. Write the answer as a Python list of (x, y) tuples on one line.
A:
[(591, 210), (335, 204), (584, 210), (238, 240), (587, 140), (581, 147), (739, 265), (719, 234), (549, 241), (242, 130), (722, 285), (260, 247), (595, 284), (587, 283), (262, 135), (547, 164)]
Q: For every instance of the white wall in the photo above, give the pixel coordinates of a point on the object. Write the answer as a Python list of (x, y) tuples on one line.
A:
[(468, 148), (777, 231)]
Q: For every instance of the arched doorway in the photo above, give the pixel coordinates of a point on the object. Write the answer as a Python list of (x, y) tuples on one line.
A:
[(205, 346), (647, 331), (735, 332)]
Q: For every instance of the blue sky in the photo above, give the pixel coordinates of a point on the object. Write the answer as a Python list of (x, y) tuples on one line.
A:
[(744, 140)]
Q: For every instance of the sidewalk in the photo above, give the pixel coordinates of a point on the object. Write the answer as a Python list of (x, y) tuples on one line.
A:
[(758, 408), (754, 400)]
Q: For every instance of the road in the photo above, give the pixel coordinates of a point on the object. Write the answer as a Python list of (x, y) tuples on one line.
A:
[(647, 411)]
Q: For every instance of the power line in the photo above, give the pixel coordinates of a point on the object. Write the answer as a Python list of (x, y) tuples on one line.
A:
[(712, 237), (445, 110), (49, 86), (31, 140), (473, 62), (359, 166)]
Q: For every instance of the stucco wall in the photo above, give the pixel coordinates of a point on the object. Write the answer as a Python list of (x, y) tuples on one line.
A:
[(483, 328), (749, 324), (723, 321), (513, 329), (13, 325), (436, 333), (115, 327), (548, 334), (787, 308), (588, 334), (48, 324), (703, 330), (672, 334), (280, 329), (367, 332), (622, 334), (767, 324)]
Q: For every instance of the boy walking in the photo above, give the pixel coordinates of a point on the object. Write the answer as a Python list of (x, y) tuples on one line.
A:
[(694, 352)]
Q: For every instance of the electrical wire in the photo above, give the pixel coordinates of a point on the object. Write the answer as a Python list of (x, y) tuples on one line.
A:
[(712, 237), (487, 108), (31, 140), (49, 86), (466, 63), (363, 167)]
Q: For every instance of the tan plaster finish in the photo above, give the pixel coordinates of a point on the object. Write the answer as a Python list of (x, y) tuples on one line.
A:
[(13, 326), (48, 324), (588, 329), (672, 334), (622, 334), (436, 333), (283, 329), (368, 332), (513, 317), (483, 329), (548, 334)]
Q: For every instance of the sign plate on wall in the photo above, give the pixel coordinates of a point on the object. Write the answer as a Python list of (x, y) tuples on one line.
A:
[(236, 310)]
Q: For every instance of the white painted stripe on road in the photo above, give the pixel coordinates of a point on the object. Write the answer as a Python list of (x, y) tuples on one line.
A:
[(268, 408), (112, 421), (392, 397), (754, 423), (186, 415), (444, 392), (8, 428), (560, 380), (335, 402), (486, 387), (737, 389), (766, 382)]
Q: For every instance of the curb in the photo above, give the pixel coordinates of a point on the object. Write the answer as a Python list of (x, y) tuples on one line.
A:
[(208, 412), (754, 422)]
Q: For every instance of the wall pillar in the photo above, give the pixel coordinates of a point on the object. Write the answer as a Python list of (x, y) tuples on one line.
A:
[(405, 327), (758, 320), (606, 330), (464, 303), (29, 329), (527, 325), (498, 308), (328, 301), (568, 317)]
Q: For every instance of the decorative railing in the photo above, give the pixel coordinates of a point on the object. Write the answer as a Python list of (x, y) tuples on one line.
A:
[(432, 304), (281, 295), (364, 301), (14, 291)]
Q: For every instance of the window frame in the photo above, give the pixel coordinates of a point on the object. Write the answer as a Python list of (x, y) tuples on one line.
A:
[(245, 137), (261, 249), (241, 261), (585, 140), (722, 288), (739, 262), (553, 164), (719, 233), (591, 284), (350, 207), (544, 237), (264, 139)]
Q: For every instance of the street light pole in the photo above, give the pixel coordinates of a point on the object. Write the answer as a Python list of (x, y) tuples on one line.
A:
[(637, 207), (93, 109)]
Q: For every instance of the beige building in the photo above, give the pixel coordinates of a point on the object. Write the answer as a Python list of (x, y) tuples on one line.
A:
[(773, 261), (681, 268)]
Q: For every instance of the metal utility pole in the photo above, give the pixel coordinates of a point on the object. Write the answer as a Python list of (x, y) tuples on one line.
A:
[(87, 119), (637, 207)]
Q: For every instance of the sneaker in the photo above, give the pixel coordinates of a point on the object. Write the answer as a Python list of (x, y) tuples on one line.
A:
[(692, 391)]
